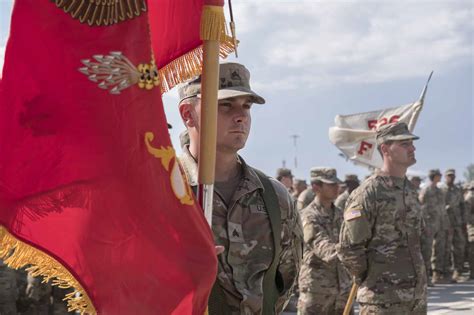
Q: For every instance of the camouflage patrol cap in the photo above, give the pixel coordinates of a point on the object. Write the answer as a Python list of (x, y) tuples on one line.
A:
[(234, 80), (351, 178), (325, 174), (434, 172), (450, 171), (394, 132), (283, 172)]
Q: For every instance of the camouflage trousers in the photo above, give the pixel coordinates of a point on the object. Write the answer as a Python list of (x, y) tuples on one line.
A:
[(455, 248), (8, 308), (471, 258), (427, 250), (310, 303), (417, 307), (438, 257)]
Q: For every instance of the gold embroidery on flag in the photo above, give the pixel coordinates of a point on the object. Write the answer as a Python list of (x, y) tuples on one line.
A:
[(115, 72), (167, 155), (17, 254), (102, 12)]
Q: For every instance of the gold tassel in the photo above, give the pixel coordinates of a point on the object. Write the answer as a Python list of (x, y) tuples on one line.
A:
[(189, 65), (17, 254), (213, 26)]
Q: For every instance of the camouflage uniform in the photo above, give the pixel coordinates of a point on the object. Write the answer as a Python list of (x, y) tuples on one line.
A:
[(456, 241), (341, 200), (323, 282), (469, 208), (244, 230), (305, 198), (380, 241), (39, 295), (8, 290), (435, 217)]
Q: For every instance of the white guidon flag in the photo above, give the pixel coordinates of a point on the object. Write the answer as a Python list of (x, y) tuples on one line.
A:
[(355, 134)]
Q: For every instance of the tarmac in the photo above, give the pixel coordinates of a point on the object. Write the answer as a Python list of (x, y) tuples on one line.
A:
[(452, 299)]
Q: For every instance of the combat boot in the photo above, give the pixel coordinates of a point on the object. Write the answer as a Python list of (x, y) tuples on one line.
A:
[(437, 278), (457, 277)]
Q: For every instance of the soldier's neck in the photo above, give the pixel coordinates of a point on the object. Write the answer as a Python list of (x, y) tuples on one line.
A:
[(227, 166), (394, 170)]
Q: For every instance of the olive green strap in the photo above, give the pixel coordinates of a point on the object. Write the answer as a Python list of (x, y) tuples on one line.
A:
[(270, 289)]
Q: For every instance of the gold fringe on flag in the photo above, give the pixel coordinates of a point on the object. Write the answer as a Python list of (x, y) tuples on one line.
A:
[(213, 27), (17, 254)]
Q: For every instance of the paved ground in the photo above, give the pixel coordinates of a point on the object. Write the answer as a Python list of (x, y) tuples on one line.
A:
[(452, 299)]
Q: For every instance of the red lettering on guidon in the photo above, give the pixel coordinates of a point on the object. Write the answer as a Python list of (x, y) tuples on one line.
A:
[(374, 123), (364, 146)]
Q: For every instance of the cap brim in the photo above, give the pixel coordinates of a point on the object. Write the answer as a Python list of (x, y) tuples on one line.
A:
[(235, 92), (331, 181), (402, 137)]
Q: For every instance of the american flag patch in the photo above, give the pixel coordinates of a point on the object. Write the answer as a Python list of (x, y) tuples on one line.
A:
[(352, 214)]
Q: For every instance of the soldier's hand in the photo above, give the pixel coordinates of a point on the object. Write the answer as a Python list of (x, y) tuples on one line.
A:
[(219, 249)]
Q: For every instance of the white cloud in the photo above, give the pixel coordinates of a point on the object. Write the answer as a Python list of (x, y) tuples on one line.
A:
[(2, 57), (327, 42)]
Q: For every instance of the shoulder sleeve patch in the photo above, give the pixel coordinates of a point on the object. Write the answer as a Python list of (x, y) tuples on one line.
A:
[(353, 213)]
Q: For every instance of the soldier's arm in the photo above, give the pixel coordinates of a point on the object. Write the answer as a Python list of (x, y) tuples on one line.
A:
[(291, 240), (316, 237), (356, 232)]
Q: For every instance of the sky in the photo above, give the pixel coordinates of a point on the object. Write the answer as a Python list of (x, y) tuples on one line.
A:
[(313, 60)]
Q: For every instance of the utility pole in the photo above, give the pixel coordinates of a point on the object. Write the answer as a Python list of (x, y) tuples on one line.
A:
[(295, 140)]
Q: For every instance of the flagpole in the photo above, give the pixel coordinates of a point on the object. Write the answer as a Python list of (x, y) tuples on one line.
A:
[(208, 125)]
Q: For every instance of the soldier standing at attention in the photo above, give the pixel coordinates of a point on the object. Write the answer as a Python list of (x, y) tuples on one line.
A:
[(285, 177), (433, 240), (352, 182), (324, 283), (380, 236), (299, 185), (307, 196), (456, 241), (469, 208), (253, 215)]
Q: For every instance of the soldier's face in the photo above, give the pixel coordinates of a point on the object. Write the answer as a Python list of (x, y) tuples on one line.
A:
[(450, 179), (233, 123), (401, 153), (329, 191)]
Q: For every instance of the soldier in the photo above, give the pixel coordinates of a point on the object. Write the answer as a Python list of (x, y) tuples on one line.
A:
[(324, 283), (416, 182), (380, 235), (469, 208), (285, 177), (434, 236), (299, 185), (8, 290), (352, 182), (307, 196), (39, 296), (247, 207), (456, 241)]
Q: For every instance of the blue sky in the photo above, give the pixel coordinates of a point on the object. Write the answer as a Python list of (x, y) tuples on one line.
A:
[(312, 60)]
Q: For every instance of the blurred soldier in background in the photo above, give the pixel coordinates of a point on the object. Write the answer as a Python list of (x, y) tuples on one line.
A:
[(324, 283), (432, 207), (352, 182), (416, 182), (8, 290), (299, 185), (456, 236), (469, 208), (285, 177), (307, 196)]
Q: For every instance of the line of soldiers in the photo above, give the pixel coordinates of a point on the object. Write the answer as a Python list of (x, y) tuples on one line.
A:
[(438, 222), (23, 294)]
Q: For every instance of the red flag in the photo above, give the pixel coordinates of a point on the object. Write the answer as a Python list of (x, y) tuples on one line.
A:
[(90, 191)]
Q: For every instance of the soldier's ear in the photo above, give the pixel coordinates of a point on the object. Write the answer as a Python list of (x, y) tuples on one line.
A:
[(188, 115)]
